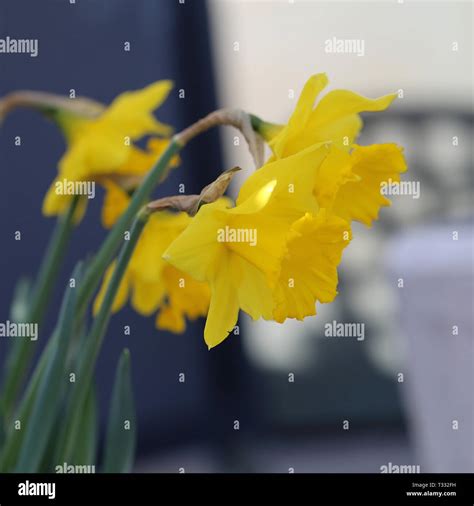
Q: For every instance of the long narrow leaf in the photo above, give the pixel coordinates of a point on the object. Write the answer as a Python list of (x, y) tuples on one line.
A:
[(52, 383), (86, 446), (14, 438), (121, 433)]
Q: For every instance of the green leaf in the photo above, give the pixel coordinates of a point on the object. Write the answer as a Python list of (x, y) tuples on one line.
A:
[(85, 450), (121, 433), (14, 438), (50, 389)]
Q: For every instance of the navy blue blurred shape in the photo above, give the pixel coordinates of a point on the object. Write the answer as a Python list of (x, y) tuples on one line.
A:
[(81, 47)]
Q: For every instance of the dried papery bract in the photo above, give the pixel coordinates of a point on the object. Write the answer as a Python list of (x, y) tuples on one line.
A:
[(177, 202), (190, 204)]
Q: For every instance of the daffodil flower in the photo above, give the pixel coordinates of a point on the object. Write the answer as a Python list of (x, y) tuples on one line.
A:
[(350, 179), (152, 284), (239, 251), (103, 150)]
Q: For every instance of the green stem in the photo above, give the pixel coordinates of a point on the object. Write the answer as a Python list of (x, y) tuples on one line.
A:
[(20, 356), (93, 343)]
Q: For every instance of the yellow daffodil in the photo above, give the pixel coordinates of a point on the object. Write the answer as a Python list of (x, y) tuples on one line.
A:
[(349, 181), (239, 251), (102, 150), (152, 284)]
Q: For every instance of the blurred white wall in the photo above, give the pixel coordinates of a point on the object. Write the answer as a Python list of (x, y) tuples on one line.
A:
[(265, 48), (408, 45)]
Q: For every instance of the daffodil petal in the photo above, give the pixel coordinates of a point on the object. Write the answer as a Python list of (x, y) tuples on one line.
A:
[(171, 320), (161, 229), (254, 292), (137, 107), (56, 203), (338, 104), (294, 176), (336, 116), (301, 114), (115, 203), (146, 296), (224, 306), (187, 295), (197, 249)]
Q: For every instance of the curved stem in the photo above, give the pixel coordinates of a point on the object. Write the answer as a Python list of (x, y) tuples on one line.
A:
[(231, 117), (49, 102)]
